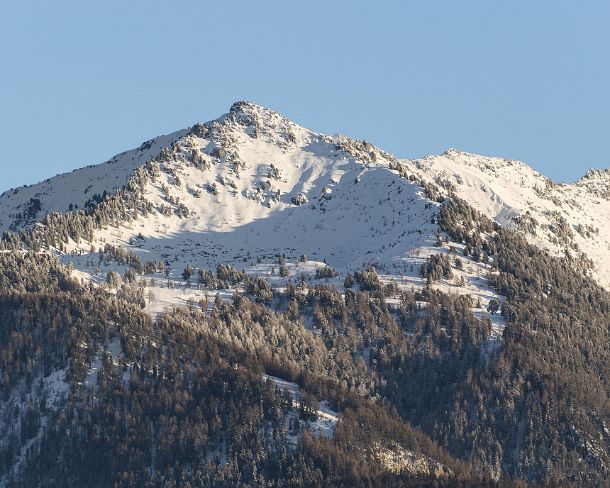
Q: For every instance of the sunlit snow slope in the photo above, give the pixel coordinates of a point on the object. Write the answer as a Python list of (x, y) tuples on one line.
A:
[(22, 206), (251, 185), (559, 217)]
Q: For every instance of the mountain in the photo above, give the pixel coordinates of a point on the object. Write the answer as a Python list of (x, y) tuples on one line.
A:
[(254, 155), (252, 185), (81, 188), (250, 302), (562, 218)]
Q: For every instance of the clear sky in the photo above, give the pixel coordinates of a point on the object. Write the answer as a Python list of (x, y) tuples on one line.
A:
[(81, 80)]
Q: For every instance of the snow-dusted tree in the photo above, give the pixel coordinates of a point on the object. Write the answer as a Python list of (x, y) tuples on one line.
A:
[(113, 279), (493, 306), (187, 273), (349, 281)]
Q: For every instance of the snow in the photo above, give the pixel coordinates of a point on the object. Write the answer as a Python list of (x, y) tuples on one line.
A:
[(115, 351), (58, 193), (504, 190), (358, 213), (377, 220), (56, 388), (238, 177), (327, 419)]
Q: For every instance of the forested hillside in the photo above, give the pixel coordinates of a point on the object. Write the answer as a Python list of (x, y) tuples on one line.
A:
[(183, 399), (261, 305)]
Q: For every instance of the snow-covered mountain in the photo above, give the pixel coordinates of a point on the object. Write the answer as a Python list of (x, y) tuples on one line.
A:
[(252, 185), (20, 207), (573, 218), (243, 190), (154, 229)]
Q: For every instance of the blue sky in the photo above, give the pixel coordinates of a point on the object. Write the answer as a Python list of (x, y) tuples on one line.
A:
[(81, 81)]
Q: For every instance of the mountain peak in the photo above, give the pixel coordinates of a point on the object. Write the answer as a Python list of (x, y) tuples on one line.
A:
[(246, 112), (452, 151), (246, 106), (256, 121), (597, 174), (249, 113), (597, 182)]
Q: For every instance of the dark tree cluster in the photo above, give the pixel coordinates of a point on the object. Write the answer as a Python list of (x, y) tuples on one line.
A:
[(437, 267)]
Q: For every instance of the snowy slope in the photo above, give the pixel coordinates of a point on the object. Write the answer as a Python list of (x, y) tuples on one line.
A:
[(20, 207), (252, 185), (558, 217)]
